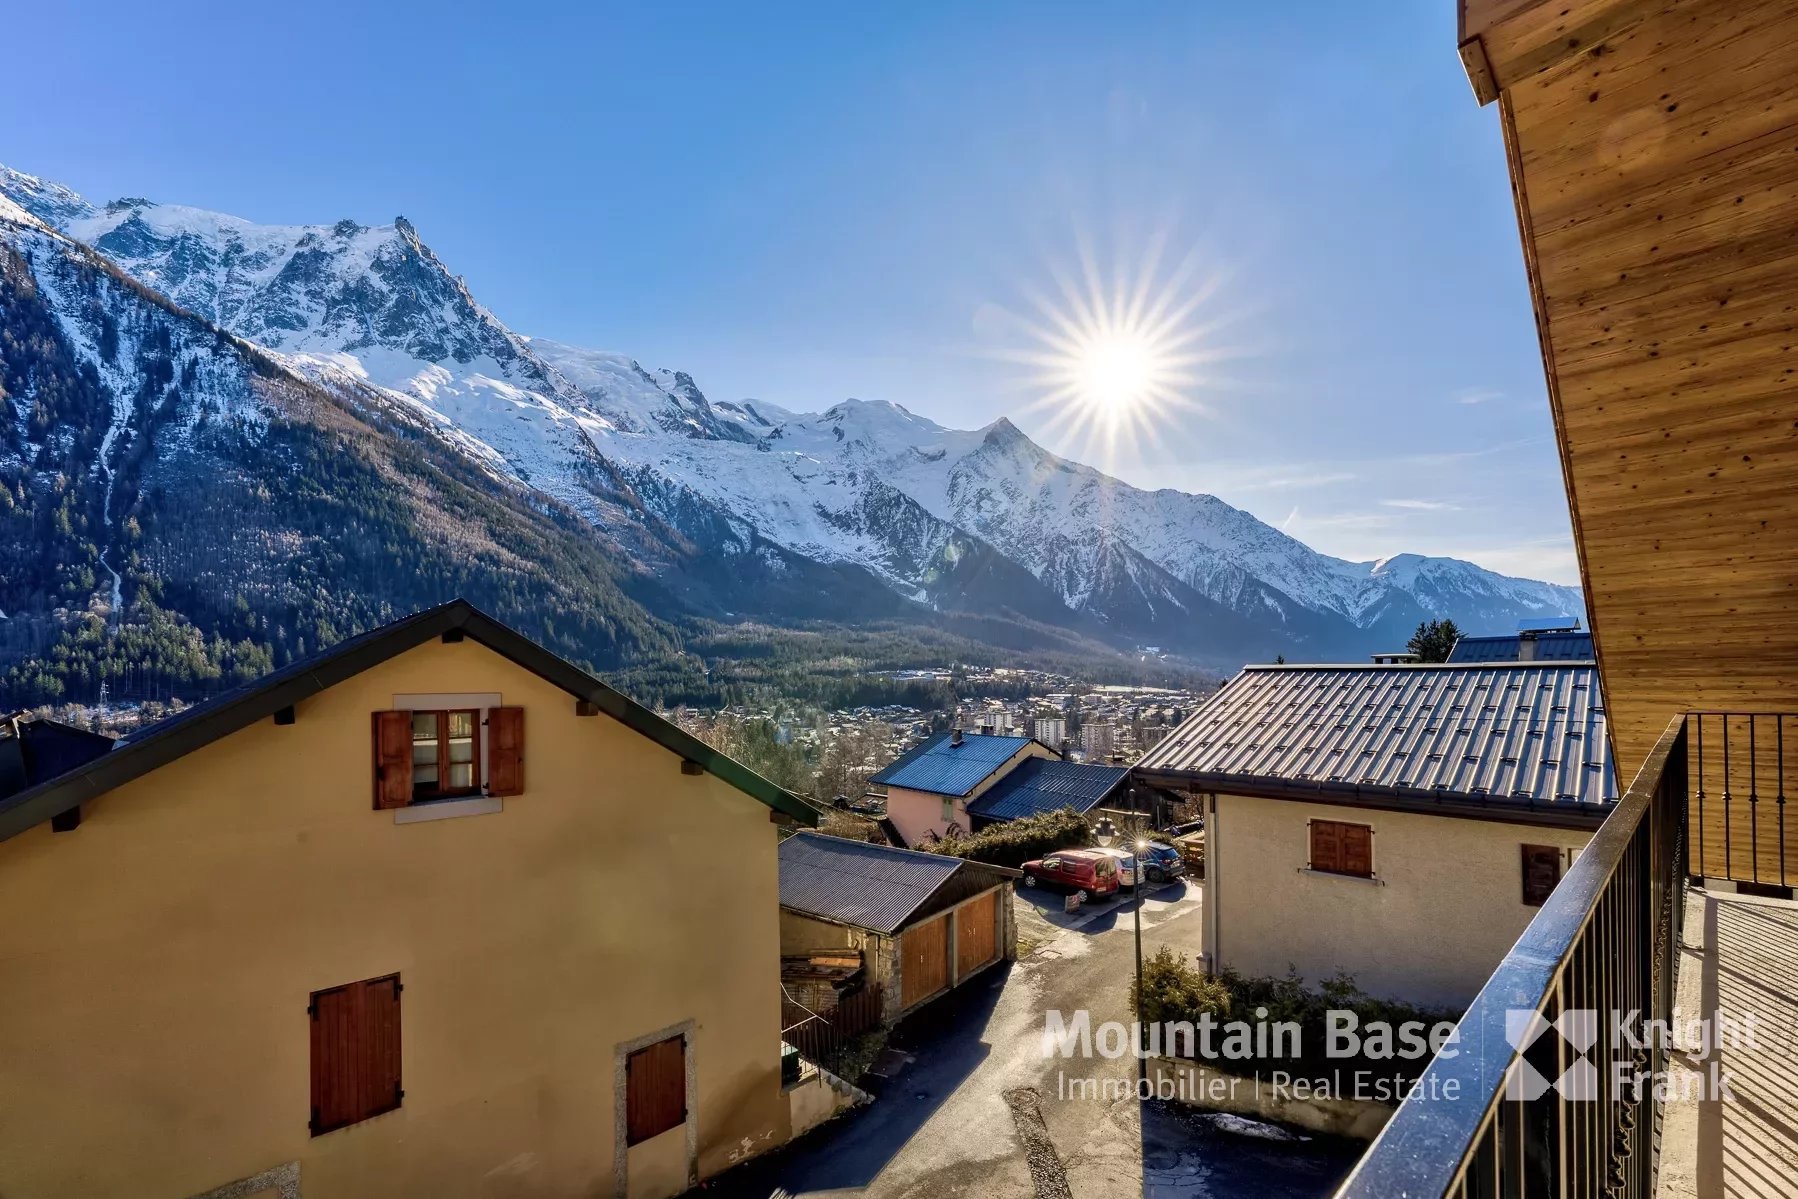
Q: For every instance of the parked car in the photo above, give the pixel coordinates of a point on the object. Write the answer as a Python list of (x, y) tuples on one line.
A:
[(1161, 861), (1087, 871), (1180, 830), (1126, 865)]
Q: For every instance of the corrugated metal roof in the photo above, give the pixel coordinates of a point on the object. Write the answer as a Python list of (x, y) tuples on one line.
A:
[(1526, 732), (1547, 647), (942, 768), (1039, 785), (853, 882)]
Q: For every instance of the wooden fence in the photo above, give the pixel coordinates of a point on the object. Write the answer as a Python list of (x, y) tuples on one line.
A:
[(819, 1033)]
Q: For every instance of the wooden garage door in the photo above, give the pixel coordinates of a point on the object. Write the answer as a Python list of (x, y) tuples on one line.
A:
[(924, 960), (976, 933)]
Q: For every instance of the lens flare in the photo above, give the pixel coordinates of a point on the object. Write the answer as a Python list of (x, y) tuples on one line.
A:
[(1116, 353)]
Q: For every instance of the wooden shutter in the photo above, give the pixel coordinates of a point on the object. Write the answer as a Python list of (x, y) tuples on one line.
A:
[(1339, 848), (505, 751), (393, 759), (1541, 873), (1326, 846), (355, 1052), (1357, 850), (655, 1088)]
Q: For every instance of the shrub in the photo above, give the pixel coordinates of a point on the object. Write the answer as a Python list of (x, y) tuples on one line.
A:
[(1173, 990), (1018, 841)]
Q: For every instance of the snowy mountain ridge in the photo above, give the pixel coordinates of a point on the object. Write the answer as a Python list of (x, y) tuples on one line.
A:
[(864, 484)]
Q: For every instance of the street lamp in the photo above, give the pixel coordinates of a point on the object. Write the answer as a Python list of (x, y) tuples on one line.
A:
[(1106, 834)]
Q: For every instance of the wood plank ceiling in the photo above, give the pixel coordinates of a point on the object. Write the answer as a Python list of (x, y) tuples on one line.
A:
[(1653, 148)]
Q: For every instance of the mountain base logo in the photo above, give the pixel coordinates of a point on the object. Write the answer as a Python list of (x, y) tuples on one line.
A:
[(1633, 1040)]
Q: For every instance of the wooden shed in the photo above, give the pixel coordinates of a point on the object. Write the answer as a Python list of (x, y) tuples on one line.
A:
[(922, 923)]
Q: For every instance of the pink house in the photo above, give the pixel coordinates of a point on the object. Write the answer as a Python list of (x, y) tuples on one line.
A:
[(929, 788)]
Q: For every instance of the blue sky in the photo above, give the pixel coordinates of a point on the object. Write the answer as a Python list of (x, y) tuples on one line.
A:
[(806, 202)]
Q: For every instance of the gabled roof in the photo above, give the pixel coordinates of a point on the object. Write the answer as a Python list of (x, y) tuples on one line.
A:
[(876, 887), (1038, 785), (1526, 734), (941, 766), (1563, 646), (202, 724), (33, 749)]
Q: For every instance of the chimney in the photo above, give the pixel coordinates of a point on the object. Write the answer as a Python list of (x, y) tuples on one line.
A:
[(955, 735)]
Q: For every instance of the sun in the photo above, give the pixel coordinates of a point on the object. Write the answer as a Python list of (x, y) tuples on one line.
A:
[(1115, 354), (1118, 370)]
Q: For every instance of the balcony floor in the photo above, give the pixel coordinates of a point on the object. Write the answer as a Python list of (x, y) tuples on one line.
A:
[(1738, 955)]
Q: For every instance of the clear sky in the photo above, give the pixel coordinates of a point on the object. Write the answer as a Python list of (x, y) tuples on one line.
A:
[(806, 202)]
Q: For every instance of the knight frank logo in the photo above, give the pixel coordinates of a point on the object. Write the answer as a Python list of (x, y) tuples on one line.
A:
[(1636, 1044), (1578, 1027)]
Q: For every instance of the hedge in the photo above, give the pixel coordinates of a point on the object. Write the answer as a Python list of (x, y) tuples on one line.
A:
[(1018, 841)]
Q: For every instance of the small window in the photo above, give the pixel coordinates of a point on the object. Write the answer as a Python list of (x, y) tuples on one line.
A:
[(1339, 848), (422, 755), (1541, 873), (948, 809), (655, 1083), (445, 754), (355, 1052)]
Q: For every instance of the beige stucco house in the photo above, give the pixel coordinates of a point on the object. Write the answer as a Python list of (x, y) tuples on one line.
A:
[(433, 913), (1397, 823), (930, 786)]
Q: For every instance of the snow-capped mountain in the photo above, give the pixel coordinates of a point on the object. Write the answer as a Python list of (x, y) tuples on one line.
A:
[(954, 520)]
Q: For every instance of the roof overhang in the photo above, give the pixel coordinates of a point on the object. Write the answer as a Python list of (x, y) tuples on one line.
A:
[(134, 757), (1650, 149), (1507, 810)]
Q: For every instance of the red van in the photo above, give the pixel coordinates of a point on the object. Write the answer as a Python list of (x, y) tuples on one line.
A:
[(1088, 871)]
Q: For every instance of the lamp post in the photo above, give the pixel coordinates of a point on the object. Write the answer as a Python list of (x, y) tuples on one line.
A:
[(1107, 835)]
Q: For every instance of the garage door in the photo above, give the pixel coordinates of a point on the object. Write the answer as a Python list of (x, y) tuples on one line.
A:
[(924, 960), (976, 933)]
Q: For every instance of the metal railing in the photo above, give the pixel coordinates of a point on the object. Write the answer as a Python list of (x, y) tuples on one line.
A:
[(1503, 1116), (1738, 798)]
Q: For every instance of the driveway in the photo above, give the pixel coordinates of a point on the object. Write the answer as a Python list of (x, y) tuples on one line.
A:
[(981, 1111)]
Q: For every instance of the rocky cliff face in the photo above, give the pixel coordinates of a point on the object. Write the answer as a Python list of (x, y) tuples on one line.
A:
[(731, 507)]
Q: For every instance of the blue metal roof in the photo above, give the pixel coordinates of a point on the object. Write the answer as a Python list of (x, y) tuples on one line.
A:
[(1038, 785), (1544, 647), (853, 882), (1518, 732), (943, 768)]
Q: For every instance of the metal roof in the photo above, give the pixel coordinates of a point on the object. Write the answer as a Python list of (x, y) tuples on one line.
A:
[(1544, 647), (1529, 733), (943, 768), (1038, 785), (870, 886)]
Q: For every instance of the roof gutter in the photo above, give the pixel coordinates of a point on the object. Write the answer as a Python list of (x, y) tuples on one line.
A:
[(1505, 809)]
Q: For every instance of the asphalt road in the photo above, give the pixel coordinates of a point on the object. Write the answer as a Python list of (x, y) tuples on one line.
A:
[(982, 1111)]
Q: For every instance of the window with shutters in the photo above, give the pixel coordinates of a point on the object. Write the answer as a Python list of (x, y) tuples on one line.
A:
[(1541, 873), (655, 1085), (422, 755), (446, 758), (355, 1052), (1340, 848)]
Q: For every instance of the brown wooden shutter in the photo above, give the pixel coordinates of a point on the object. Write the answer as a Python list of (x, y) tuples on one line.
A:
[(1541, 873), (393, 759), (1357, 850), (505, 751), (1326, 845), (655, 1089), (355, 1052)]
